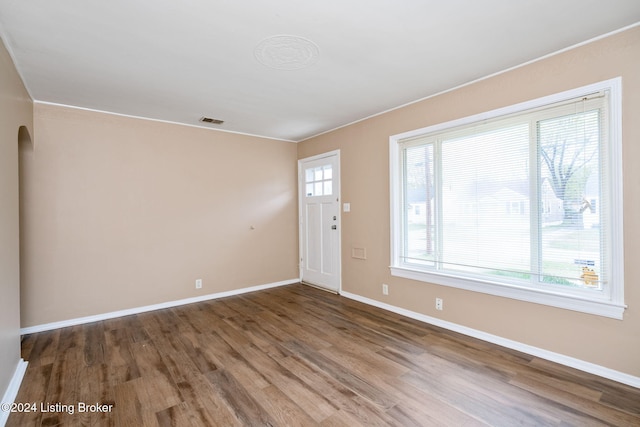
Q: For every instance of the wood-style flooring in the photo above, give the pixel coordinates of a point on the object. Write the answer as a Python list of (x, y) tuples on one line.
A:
[(299, 356)]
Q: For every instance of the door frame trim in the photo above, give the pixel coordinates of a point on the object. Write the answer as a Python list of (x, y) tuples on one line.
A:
[(301, 187)]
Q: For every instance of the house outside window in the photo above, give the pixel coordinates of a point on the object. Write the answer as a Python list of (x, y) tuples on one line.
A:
[(523, 202)]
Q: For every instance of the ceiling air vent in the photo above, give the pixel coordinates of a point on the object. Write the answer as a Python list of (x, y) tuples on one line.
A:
[(212, 121)]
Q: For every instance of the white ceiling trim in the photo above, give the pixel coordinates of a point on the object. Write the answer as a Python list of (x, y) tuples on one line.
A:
[(111, 113), (175, 63), (524, 64)]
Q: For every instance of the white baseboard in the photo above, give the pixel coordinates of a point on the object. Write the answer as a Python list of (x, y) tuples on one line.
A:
[(12, 390), (572, 362), (136, 310)]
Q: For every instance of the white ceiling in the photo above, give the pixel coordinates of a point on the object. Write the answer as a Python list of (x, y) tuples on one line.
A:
[(181, 60)]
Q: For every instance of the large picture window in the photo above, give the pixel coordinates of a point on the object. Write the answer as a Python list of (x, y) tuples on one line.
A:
[(523, 202)]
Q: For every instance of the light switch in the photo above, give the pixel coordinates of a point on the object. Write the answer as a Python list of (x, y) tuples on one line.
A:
[(346, 207)]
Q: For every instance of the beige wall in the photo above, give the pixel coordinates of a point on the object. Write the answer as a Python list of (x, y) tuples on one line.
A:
[(365, 184), (15, 111), (121, 213)]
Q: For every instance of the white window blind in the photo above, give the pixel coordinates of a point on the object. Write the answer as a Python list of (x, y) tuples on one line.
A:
[(519, 200)]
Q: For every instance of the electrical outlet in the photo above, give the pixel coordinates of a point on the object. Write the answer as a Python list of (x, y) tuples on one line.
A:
[(385, 289), (438, 303), (198, 283)]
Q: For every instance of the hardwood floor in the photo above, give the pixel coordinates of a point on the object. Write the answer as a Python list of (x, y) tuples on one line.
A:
[(298, 356)]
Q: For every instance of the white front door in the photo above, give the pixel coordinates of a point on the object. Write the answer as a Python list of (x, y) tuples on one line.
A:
[(319, 183)]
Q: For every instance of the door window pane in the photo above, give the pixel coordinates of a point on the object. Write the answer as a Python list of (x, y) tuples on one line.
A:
[(319, 181)]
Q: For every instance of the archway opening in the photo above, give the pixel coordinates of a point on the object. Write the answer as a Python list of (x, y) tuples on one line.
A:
[(25, 154)]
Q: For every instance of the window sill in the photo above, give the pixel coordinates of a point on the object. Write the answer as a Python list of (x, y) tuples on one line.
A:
[(599, 307)]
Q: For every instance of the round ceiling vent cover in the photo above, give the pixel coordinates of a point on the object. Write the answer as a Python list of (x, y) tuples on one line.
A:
[(286, 52)]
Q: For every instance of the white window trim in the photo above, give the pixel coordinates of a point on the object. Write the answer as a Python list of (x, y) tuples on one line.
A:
[(609, 305)]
